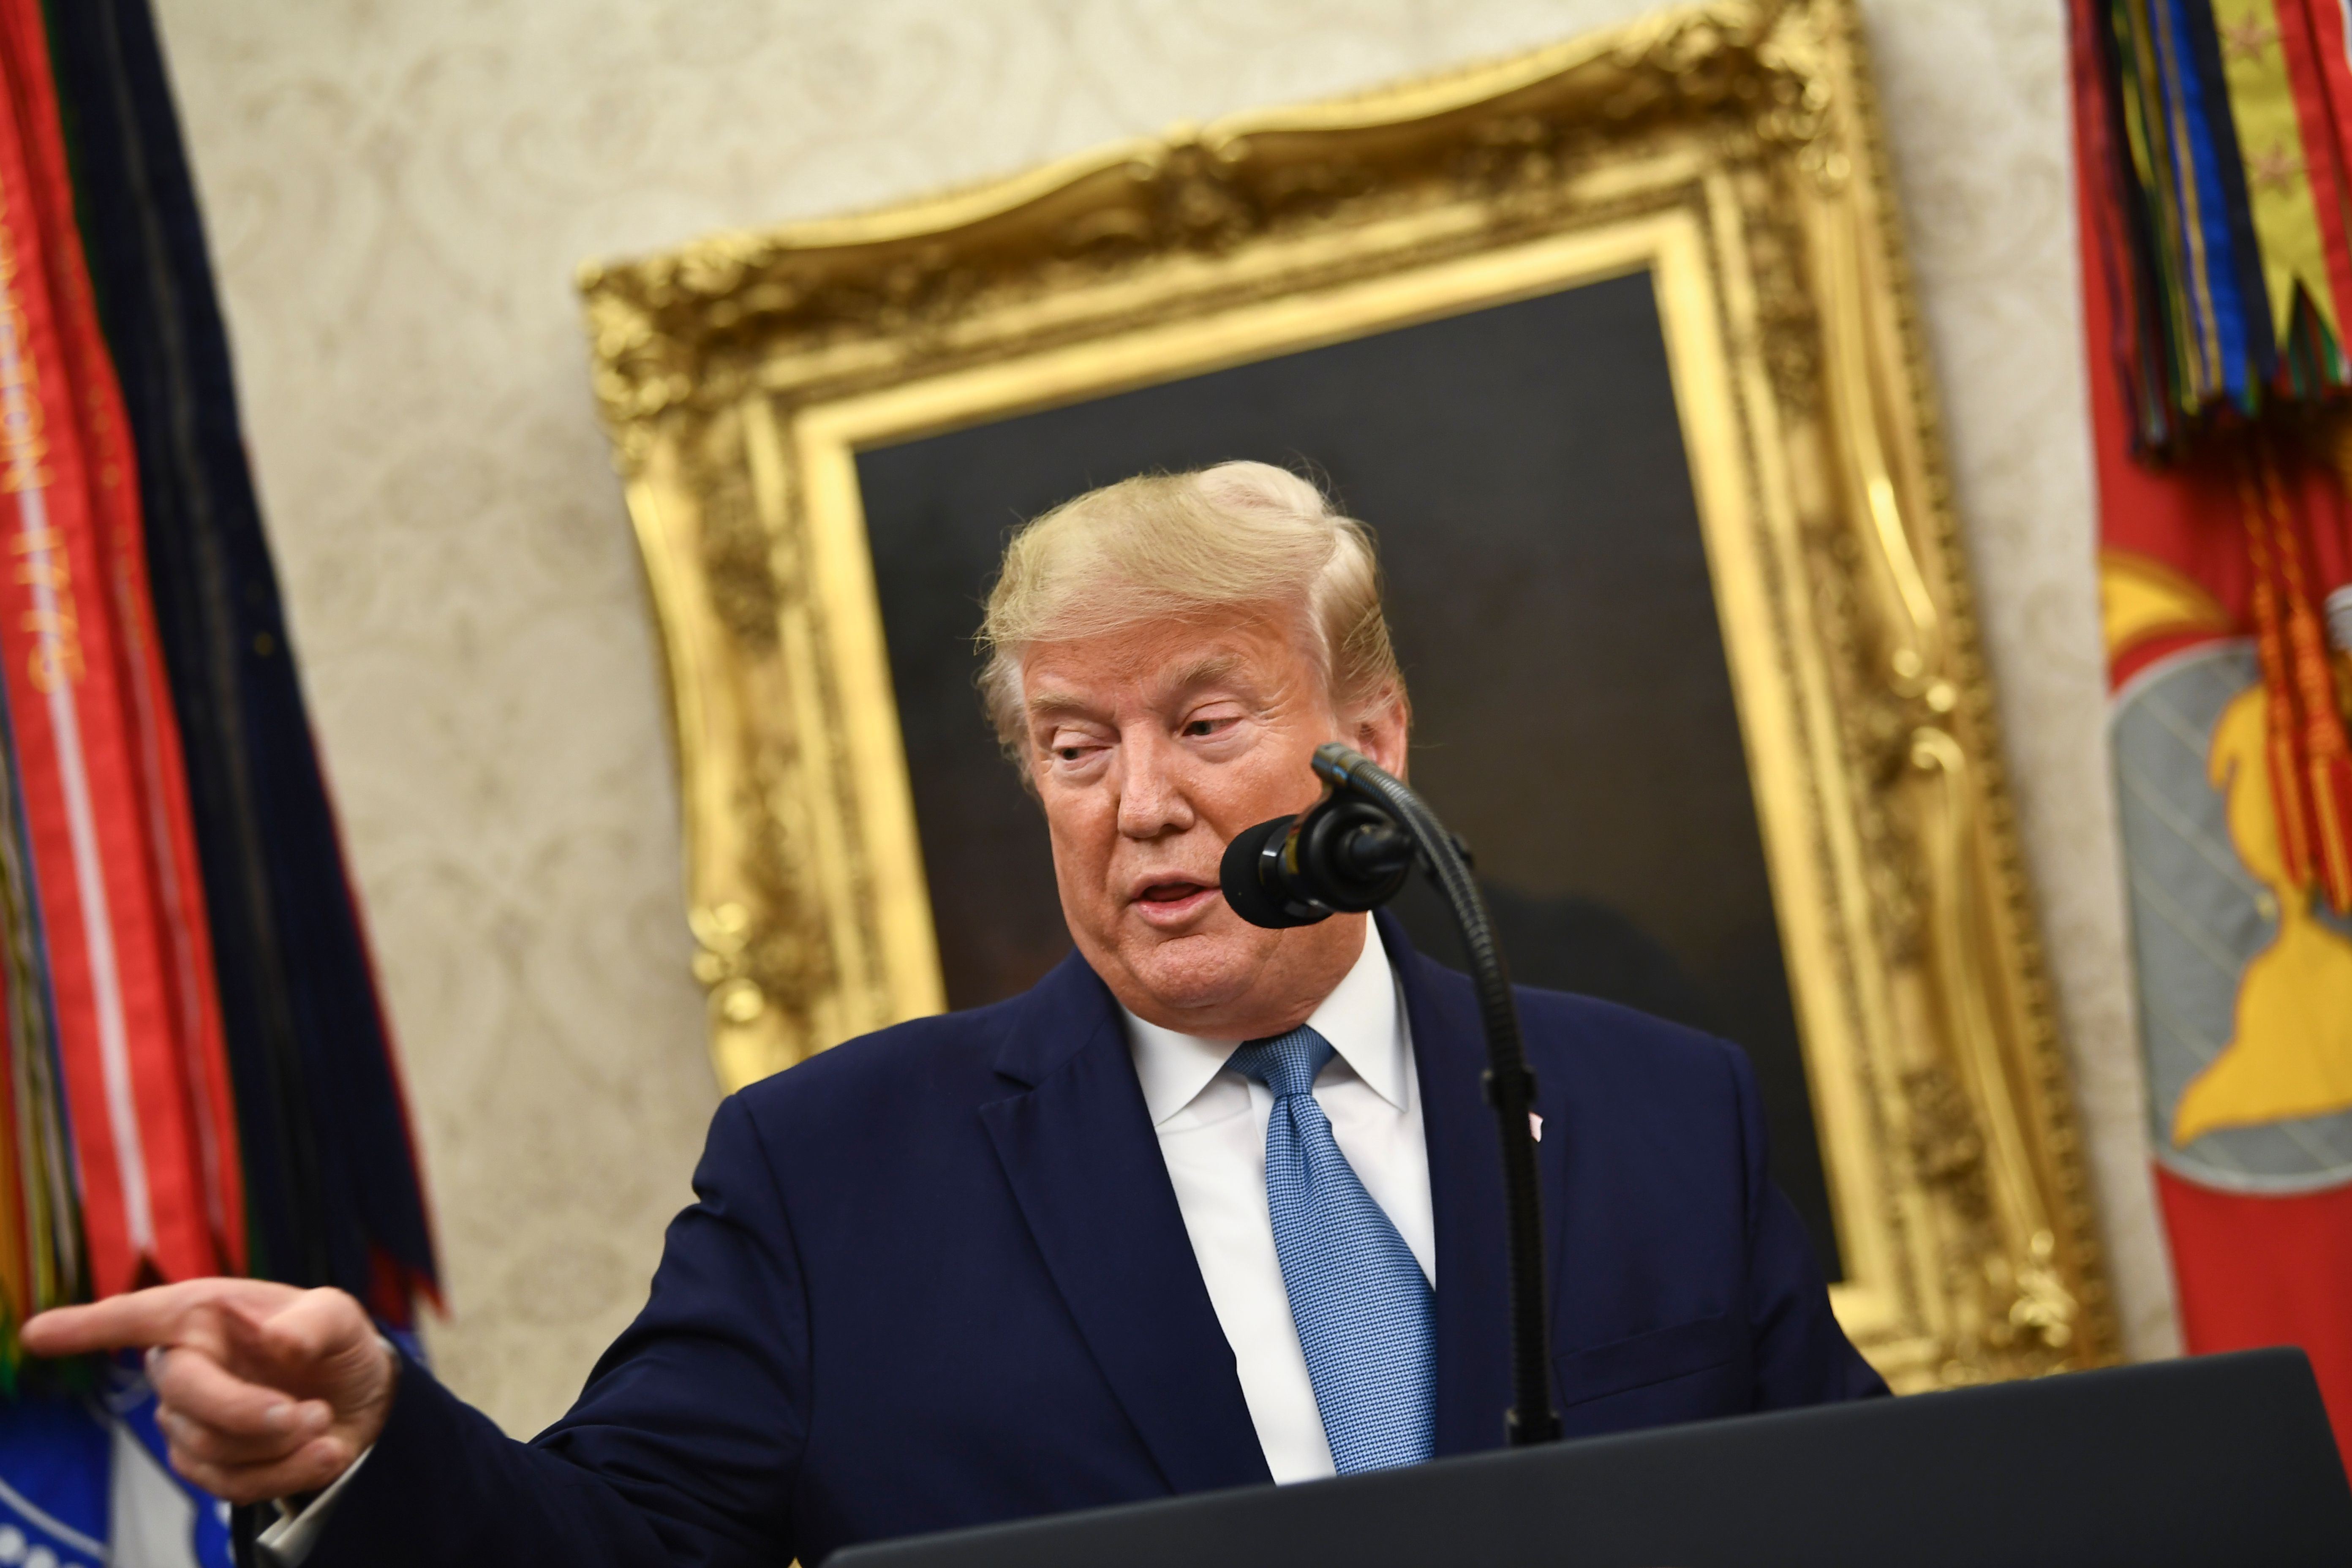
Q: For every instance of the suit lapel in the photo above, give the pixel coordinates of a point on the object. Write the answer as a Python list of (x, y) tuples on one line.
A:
[(1465, 1191), (1077, 1146)]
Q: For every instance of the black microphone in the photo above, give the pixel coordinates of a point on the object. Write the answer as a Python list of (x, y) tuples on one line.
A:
[(1342, 855), (1351, 851)]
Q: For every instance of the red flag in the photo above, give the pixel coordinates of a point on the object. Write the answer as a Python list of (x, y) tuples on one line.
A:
[(2234, 792)]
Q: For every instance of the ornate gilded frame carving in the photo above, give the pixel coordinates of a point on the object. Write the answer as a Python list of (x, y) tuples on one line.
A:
[(1733, 151)]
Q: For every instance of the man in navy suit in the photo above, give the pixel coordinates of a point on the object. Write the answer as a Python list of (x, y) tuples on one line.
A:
[(1212, 1206)]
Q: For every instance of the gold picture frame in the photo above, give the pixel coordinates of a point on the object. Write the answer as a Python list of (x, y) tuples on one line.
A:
[(1733, 152)]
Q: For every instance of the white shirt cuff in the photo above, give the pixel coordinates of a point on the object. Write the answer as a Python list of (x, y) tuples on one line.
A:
[(287, 1542)]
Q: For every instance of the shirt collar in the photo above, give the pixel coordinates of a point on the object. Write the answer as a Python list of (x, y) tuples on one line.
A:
[(1359, 1018)]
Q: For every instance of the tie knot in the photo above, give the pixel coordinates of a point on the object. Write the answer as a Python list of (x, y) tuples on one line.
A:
[(1286, 1064)]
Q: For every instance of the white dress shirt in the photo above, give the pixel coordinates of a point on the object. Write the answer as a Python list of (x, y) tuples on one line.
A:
[(1212, 1126)]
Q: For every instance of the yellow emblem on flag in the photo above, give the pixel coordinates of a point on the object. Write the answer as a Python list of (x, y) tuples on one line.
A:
[(2290, 1054)]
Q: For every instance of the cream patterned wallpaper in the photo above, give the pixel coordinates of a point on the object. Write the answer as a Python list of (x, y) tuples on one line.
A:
[(397, 196)]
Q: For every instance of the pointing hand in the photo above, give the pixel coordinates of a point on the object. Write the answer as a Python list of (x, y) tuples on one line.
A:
[(264, 1391)]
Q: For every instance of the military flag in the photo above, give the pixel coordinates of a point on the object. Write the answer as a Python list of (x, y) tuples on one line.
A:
[(196, 1076), (2213, 143)]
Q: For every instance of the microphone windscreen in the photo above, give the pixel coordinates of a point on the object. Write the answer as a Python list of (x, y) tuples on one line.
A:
[(1237, 876)]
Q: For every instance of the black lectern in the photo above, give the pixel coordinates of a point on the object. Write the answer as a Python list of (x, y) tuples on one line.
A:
[(2221, 1460)]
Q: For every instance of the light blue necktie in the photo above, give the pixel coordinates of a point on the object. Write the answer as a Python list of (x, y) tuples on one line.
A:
[(1365, 1314)]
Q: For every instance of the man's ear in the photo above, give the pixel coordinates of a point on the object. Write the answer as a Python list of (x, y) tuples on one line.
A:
[(1380, 729)]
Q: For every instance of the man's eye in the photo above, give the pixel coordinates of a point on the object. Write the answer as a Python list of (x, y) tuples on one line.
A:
[(1067, 754), (1201, 727)]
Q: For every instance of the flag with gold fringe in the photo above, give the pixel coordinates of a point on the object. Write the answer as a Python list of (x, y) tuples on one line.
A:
[(2213, 146), (197, 1076)]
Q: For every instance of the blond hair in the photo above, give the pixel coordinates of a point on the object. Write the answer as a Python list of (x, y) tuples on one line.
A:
[(1161, 547)]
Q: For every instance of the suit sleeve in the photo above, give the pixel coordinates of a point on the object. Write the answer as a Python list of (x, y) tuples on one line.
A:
[(1800, 1354), (682, 1449)]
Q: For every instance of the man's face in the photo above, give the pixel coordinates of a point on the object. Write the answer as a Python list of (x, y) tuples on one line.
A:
[(1150, 749)]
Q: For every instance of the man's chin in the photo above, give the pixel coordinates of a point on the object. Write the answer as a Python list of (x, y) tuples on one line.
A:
[(1195, 973)]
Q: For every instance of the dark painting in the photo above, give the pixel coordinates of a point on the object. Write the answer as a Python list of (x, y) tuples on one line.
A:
[(1523, 468)]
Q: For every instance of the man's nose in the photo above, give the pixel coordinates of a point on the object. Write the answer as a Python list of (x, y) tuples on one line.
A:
[(1152, 797)]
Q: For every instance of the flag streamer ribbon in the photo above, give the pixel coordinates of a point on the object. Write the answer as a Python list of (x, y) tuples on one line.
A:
[(195, 1075), (2216, 129), (2217, 169)]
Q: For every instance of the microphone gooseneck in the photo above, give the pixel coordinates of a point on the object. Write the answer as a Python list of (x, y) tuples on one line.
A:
[(1351, 851)]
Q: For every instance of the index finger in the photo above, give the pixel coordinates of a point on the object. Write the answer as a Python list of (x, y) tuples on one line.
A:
[(135, 1321)]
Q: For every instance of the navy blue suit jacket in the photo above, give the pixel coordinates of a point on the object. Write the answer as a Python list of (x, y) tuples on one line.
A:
[(938, 1277)]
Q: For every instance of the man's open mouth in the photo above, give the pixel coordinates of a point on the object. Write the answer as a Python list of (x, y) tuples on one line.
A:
[(1173, 901), (1174, 891)]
